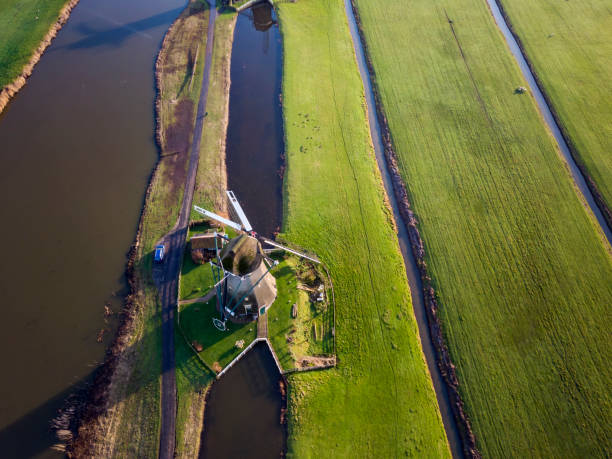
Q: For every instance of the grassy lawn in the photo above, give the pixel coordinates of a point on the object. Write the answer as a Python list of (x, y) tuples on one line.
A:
[(305, 341), (23, 24), (196, 279), (523, 279), (379, 401), (570, 46), (218, 346)]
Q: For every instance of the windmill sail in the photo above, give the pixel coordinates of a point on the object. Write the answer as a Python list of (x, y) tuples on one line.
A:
[(218, 218), (246, 226), (287, 249)]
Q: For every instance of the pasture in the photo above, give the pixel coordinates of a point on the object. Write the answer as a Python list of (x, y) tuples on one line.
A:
[(521, 272), (379, 400)]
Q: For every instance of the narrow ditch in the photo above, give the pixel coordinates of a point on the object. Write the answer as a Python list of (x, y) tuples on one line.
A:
[(591, 196), (447, 407)]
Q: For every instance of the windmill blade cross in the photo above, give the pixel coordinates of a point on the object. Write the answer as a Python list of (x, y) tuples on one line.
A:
[(238, 208), (287, 249), (218, 218)]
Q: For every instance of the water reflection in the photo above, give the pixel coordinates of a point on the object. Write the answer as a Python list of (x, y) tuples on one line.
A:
[(255, 132)]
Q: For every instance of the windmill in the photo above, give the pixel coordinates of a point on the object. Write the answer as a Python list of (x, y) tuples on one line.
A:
[(241, 268)]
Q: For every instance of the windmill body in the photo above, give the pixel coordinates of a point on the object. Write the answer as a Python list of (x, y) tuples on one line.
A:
[(245, 287), (247, 276)]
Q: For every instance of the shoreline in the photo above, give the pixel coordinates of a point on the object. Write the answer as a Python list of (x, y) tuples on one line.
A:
[(96, 424), (95, 403), (10, 90), (446, 366)]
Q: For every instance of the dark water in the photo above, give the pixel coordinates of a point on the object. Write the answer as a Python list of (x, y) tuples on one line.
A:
[(549, 118), (412, 272), (255, 131), (76, 152), (242, 416)]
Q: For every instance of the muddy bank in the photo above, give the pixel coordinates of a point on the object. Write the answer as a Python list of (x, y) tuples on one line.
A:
[(447, 369), (13, 88), (606, 212)]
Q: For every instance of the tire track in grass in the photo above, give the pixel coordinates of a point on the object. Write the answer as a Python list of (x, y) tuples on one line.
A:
[(467, 67)]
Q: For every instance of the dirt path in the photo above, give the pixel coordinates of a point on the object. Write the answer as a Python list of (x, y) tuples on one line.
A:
[(201, 299), (166, 276)]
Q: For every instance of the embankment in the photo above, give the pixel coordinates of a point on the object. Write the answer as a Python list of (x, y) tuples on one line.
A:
[(19, 82)]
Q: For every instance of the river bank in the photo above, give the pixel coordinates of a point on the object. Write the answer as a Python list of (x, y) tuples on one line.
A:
[(12, 88)]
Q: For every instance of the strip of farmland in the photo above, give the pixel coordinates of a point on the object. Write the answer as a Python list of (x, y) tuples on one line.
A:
[(379, 401), (520, 269)]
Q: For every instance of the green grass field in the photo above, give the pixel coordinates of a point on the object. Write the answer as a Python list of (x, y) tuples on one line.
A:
[(523, 278), (570, 46), (379, 401), (218, 346), (23, 24)]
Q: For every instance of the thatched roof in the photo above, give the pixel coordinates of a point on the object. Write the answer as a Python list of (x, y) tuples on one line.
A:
[(242, 255)]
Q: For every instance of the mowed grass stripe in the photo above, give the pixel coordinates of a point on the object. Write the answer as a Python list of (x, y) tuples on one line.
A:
[(570, 46), (521, 271), (379, 402)]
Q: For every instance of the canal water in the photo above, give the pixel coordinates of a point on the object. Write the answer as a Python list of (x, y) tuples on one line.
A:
[(77, 150), (255, 142), (242, 416)]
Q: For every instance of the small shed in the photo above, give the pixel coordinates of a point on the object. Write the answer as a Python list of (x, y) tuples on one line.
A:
[(203, 246), (205, 241)]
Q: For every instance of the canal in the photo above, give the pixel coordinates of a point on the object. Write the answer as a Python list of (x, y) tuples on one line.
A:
[(243, 410), (242, 417), (255, 142), (77, 150)]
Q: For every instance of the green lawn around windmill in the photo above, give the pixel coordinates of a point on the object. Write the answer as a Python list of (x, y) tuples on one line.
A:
[(217, 348)]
